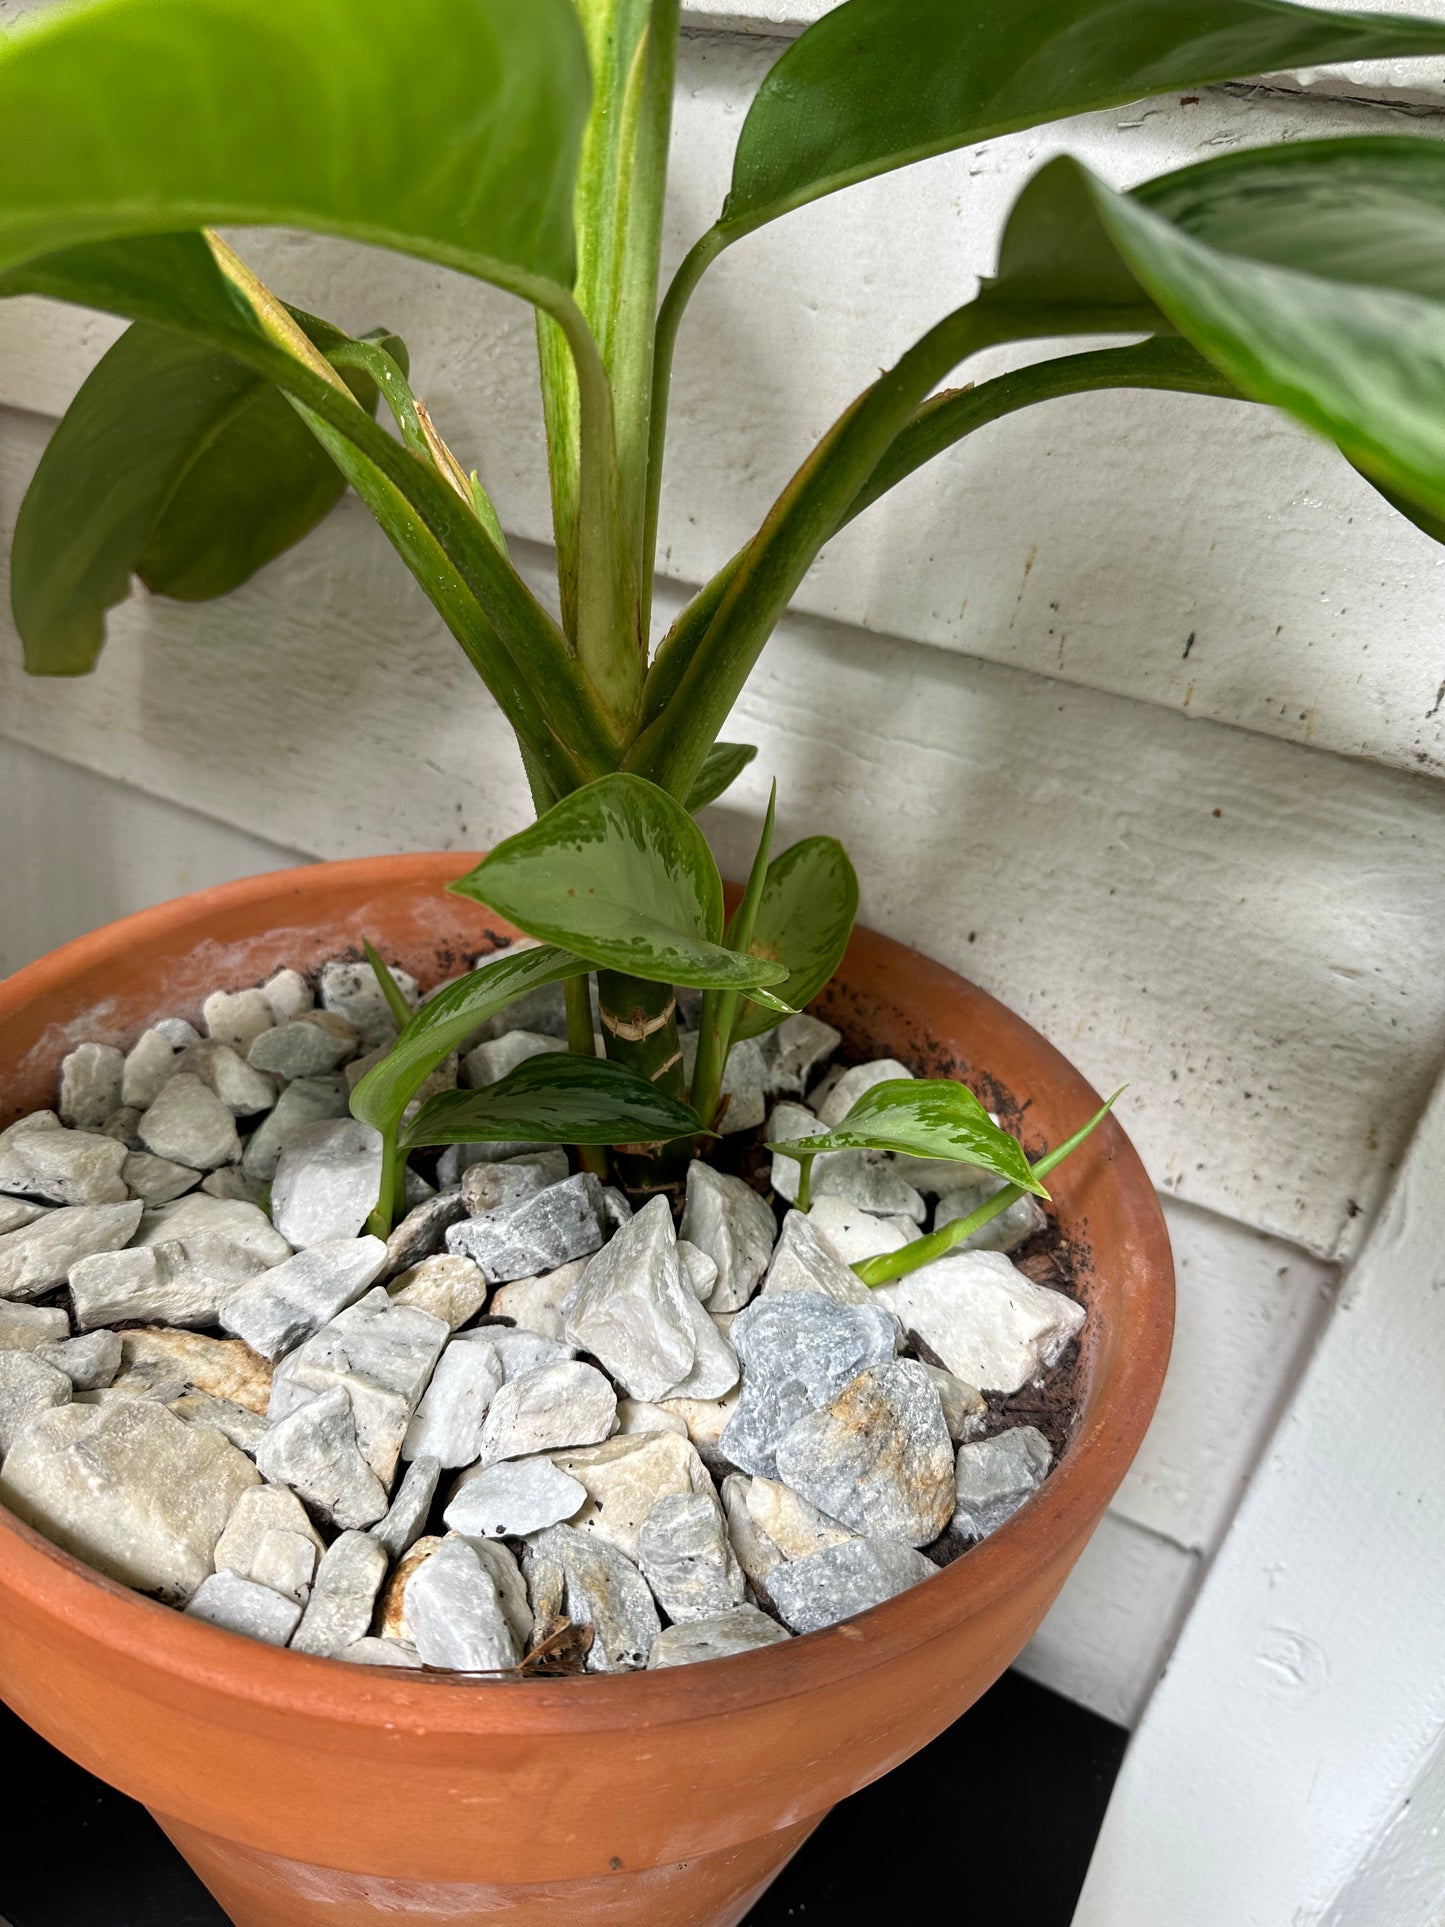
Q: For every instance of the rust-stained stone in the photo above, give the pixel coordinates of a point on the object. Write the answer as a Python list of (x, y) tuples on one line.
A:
[(159, 1362), (391, 1622)]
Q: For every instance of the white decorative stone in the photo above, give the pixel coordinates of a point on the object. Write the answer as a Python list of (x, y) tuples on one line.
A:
[(407, 1514), (259, 1512), (685, 1556), (326, 1183), (986, 1322), (64, 1167), (343, 1597), (15, 1212), (833, 1585), (801, 1262), (448, 1287), (199, 1216), (851, 1232), (90, 1363), (743, 1630), (150, 1064), (422, 1232), (352, 992), (391, 1612), (157, 1180), (543, 1009), (245, 1429), (315, 1451), (742, 1085), (447, 1424), (536, 1303), (90, 1079), (994, 1476), (128, 1488), (499, 1561), (534, 1234), (28, 1386), (37, 1257), (965, 1410), (869, 1179), (705, 1420), (487, 1186), (288, 994), (725, 1218), (310, 1045), (455, 1613), (626, 1476), (124, 1126), (291, 1301), (380, 1652), (286, 1562), (636, 1415), (188, 1124), (603, 1590), (183, 1281), (518, 1349), (245, 1092), (796, 1528), (232, 1185), (550, 1406), (753, 1549), (698, 1270), (877, 1457), (307, 1101), (26, 1328), (457, 1159), (1015, 1224), (798, 1349), (492, 1059), (852, 1085), (237, 1017), (797, 1051), (514, 1497), (242, 1606)]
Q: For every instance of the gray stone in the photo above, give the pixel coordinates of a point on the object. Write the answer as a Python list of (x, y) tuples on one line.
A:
[(241, 1606), (803, 1264), (798, 1050), (485, 1187), (852, 1085), (157, 1180), (245, 1092), (851, 1232), (543, 1009), (743, 1630), (28, 1386), (877, 1457), (448, 1287), (534, 1234), (616, 1208), (447, 1424), (685, 1557), (15, 1212), (754, 1550), (383, 1354), (1013, 1225), (492, 1059), (834, 1585), (150, 1064), (326, 1183), (37, 1257), (237, 1017), (124, 1126), (407, 1515), (26, 1328), (89, 1363), (292, 1300), (231, 1184), (422, 1232), (307, 1101), (260, 1513), (189, 1124), (177, 1032), (514, 1497), (799, 1349), (983, 1319), (380, 1652), (994, 1476), (870, 1179), (310, 1045), (288, 994), (129, 1489), (198, 1216), (796, 1528), (457, 1159), (536, 1303), (181, 1282), (603, 1590), (315, 1451), (245, 1429), (725, 1217), (454, 1609), (90, 1079), (550, 1406), (343, 1597), (352, 992), (625, 1477), (517, 1349), (64, 1167), (415, 1189), (286, 1562), (965, 1410)]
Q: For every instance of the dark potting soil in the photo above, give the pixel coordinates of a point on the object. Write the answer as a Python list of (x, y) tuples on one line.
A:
[(78, 1854)]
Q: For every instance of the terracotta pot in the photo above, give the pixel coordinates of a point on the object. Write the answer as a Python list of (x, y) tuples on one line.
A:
[(303, 1791)]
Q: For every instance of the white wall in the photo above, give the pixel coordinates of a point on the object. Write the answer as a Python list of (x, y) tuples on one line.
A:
[(1215, 878)]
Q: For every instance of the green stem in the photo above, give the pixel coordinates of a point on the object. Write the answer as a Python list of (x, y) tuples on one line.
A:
[(391, 1194), (698, 260), (923, 1251), (805, 1186), (720, 1007), (582, 1043), (639, 1029)]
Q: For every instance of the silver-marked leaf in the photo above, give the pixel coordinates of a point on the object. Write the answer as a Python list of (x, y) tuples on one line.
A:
[(927, 1117), (803, 922), (618, 872), (556, 1099)]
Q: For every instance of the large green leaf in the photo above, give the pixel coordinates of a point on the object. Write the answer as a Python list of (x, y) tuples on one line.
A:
[(876, 84), (619, 873), (927, 1117), (556, 1099), (804, 920), (175, 463), (448, 1019), (446, 128)]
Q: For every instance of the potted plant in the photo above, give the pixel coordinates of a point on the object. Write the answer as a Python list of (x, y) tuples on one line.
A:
[(527, 145)]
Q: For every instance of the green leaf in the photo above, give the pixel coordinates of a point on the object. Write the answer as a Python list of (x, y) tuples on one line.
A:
[(725, 763), (928, 1117), (175, 463), (877, 84), (557, 1099), (620, 873), (447, 1020), (447, 131), (803, 922)]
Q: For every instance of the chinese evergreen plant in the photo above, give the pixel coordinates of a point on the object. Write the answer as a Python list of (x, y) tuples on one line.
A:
[(525, 142)]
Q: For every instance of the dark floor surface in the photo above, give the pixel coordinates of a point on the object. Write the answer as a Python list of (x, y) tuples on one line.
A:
[(967, 1816)]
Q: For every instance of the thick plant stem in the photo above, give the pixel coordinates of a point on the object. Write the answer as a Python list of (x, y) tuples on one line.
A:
[(581, 1043), (639, 1028)]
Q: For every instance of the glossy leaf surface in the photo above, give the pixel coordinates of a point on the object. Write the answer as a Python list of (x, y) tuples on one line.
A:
[(725, 763), (556, 1099), (447, 1020), (877, 84), (804, 919), (448, 131), (619, 873), (928, 1117)]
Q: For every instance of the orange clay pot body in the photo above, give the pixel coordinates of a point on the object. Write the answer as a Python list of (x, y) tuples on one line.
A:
[(305, 1791)]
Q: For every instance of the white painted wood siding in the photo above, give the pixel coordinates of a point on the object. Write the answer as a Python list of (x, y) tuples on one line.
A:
[(1215, 877)]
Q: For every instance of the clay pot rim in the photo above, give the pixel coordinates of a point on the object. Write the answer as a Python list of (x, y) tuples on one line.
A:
[(270, 1678)]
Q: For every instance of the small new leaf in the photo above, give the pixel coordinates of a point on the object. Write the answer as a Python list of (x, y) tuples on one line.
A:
[(556, 1099), (723, 765), (803, 922), (927, 1117)]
